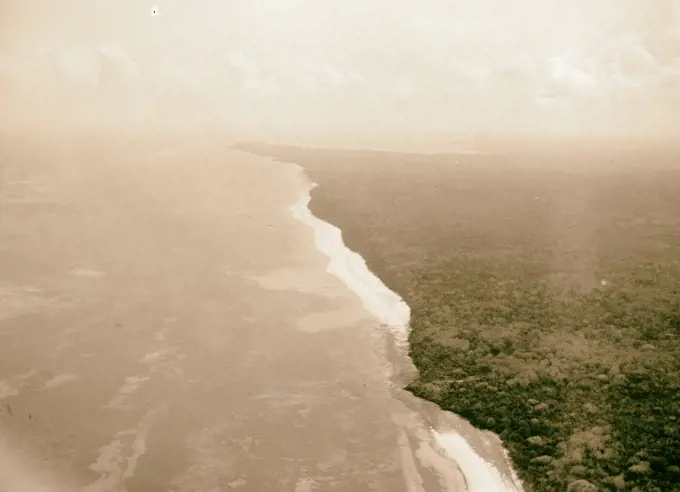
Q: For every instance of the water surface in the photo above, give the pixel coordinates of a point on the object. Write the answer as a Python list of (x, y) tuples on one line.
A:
[(167, 324)]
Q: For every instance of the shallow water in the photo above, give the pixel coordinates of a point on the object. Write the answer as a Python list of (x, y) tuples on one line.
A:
[(166, 323)]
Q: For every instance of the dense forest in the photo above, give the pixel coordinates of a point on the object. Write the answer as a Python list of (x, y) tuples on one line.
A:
[(545, 297)]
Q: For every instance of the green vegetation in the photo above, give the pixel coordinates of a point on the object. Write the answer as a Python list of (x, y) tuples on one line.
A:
[(545, 302)]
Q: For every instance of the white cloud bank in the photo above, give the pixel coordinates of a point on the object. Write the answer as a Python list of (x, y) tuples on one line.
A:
[(609, 67)]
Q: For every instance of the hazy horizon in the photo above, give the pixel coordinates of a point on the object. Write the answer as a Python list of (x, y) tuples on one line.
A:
[(322, 71)]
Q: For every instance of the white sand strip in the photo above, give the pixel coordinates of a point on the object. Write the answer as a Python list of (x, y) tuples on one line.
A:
[(479, 475), (392, 310), (351, 268)]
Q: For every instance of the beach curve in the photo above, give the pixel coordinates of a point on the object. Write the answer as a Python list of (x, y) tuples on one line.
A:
[(394, 313)]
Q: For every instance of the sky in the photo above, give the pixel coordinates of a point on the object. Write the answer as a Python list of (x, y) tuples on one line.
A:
[(346, 68)]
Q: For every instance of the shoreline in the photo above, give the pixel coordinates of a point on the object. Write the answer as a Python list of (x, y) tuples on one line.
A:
[(394, 314)]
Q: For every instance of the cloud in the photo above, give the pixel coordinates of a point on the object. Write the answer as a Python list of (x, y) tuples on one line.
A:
[(435, 65), (115, 66)]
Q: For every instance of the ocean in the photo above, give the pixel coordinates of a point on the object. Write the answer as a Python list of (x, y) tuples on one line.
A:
[(175, 319)]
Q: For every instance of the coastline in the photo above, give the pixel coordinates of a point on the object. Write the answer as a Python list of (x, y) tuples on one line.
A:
[(449, 434)]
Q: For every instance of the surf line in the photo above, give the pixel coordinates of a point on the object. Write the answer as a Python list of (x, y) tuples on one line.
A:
[(391, 310), (350, 267)]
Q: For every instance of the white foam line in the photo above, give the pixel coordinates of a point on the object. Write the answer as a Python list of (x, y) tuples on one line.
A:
[(392, 310), (351, 268), (479, 475)]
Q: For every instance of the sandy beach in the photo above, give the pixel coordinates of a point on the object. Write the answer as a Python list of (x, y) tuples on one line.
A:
[(453, 437)]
